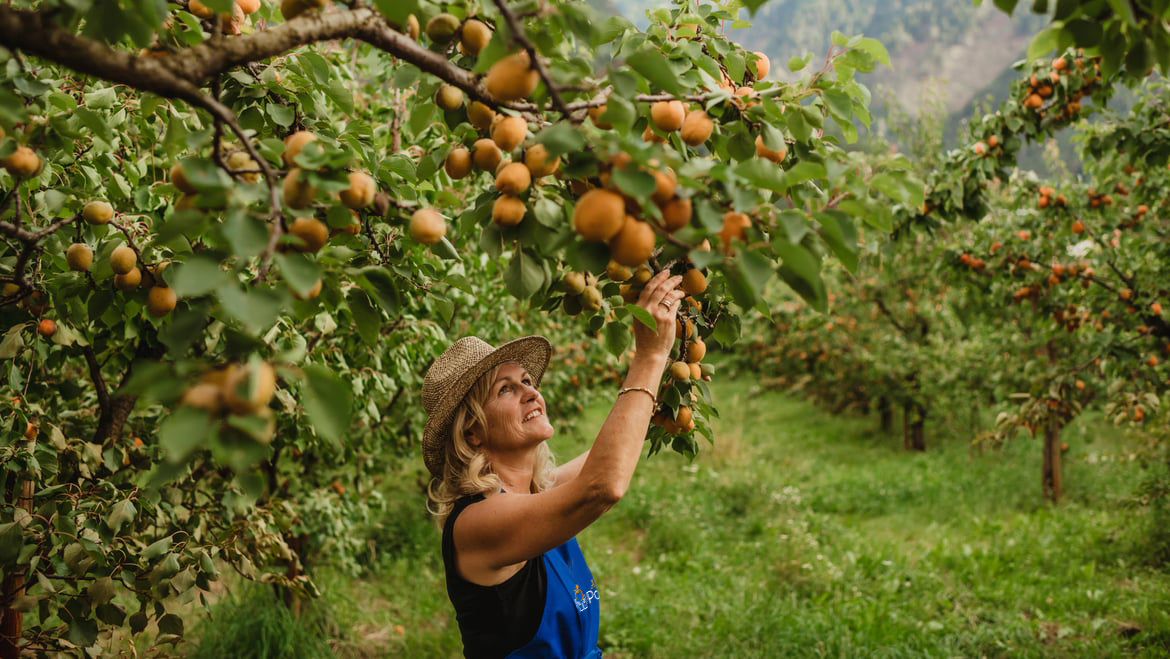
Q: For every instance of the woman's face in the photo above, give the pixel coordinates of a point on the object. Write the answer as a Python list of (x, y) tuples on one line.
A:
[(515, 412)]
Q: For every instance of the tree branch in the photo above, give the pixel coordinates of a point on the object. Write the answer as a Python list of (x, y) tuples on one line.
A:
[(537, 63)]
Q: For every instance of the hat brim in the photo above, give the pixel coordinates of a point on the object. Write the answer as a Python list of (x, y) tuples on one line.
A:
[(531, 352)]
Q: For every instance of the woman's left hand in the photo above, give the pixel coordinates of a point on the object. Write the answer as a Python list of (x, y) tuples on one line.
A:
[(661, 297)]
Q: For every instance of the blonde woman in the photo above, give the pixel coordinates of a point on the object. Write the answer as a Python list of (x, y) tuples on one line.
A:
[(515, 573)]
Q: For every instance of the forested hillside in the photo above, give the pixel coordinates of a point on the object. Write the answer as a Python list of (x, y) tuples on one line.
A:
[(950, 52)]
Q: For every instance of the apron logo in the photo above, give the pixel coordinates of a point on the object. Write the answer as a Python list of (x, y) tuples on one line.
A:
[(582, 599)]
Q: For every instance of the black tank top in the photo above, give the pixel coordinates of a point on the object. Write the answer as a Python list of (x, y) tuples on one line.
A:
[(493, 620)]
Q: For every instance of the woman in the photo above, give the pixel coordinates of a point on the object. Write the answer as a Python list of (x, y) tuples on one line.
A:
[(515, 573)]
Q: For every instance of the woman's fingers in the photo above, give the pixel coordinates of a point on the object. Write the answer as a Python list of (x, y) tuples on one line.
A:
[(657, 288)]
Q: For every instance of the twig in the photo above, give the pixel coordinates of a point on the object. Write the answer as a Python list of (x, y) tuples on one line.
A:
[(95, 373), (538, 64)]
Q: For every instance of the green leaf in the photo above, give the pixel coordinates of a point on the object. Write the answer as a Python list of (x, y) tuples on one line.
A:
[(1044, 42), (379, 283), (170, 624), (634, 181), (642, 315), (255, 308), (653, 65), (396, 11), (763, 173), (617, 338), (367, 318), (876, 50), (121, 513), (797, 63), (301, 271), (156, 550), (753, 5), (805, 170), (185, 431), (524, 275), (839, 233), (1006, 6), (560, 139), (328, 400), (11, 543), (801, 270), (281, 115), (1085, 33), (198, 275), (83, 632)]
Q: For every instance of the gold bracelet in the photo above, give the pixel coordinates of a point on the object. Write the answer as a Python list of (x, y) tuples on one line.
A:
[(626, 390)]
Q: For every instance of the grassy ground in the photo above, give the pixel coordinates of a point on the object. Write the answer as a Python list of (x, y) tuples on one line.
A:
[(800, 534)]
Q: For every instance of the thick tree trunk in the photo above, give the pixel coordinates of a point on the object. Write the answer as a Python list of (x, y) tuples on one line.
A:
[(293, 599), (913, 427), (11, 621), (1051, 476), (885, 414)]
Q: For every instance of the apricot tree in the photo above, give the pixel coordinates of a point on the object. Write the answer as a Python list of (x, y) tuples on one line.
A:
[(254, 226)]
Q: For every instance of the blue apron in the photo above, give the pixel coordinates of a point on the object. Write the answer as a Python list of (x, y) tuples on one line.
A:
[(568, 628)]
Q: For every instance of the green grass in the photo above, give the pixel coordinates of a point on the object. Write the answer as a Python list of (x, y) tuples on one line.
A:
[(801, 534)]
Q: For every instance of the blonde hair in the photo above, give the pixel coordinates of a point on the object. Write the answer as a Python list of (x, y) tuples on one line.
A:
[(466, 469)]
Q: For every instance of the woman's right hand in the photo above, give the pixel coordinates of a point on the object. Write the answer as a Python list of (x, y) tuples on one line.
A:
[(661, 297)]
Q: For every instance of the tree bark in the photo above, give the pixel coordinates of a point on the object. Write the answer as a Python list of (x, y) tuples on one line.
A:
[(12, 621), (1051, 481), (913, 427), (885, 414)]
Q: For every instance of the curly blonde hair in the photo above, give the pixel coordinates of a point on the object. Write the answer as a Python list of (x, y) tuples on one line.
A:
[(466, 469)]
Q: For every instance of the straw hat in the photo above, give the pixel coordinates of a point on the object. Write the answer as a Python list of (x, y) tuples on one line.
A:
[(452, 375)]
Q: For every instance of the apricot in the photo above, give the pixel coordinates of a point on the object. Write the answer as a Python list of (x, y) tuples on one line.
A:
[(246, 390), (697, 128), (480, 115), (442, 27), (311, 293), (508, 211), (298, 192), (97, 212), (449, 97), (680, 371), (599, 215), (513, 179), (486, 155), (512, 77), (696, 350), (79, 256), (762, 65), (509, 132), (538, 163), (458, 162), (427, 226), (668, 116), (633, 244), (312, 232), (595, 114), (665, 184), (676, 214), (47, 327), (694, 282), (128, 281), (292, 147), (179, 179), (122, 259), (474, 36), (160, 301), (763, 151), (22, 163)]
